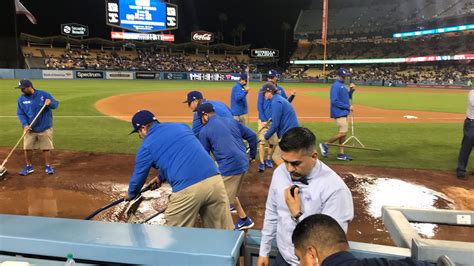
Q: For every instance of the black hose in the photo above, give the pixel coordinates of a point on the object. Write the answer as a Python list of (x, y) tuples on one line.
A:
[(104, 208), (148, 187)]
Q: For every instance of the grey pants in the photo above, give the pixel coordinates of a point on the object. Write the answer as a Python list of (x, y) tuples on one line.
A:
[(466, 145)]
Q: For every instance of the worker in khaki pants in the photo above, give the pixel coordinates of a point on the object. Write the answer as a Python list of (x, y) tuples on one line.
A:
[(224, 138), (176, 153)]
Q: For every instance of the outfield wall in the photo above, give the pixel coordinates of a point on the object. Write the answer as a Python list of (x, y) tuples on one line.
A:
[(120, 75), (195, 76)]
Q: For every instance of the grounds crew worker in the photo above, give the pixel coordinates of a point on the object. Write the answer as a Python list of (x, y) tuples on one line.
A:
[(340, 109), (238, 100), (319, 190), (40, 135), (283, 117), (264, 116), (223, 137), (194, 99), (176, 153)]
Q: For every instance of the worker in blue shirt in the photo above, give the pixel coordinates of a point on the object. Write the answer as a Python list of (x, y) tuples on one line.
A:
[(197, 186), (238, 100), (224, 138), (320, 240), (340, 108), (264, 121), (283, 117), (194, 99), (40, 134)]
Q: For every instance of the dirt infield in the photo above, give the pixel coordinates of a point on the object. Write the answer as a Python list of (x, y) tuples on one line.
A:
[(168, 106), (86, 181)]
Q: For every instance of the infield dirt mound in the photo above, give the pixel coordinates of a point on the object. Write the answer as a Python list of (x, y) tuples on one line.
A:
[(168, 106)]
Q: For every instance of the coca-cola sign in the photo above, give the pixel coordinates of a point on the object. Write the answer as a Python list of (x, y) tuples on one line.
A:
[(202, 36)]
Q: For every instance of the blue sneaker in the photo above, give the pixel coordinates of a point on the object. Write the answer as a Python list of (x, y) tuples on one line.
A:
[(269, 163), (244, 224), (261, 167), (324, 149), (343, 157), (28, 169), (49, 169), (232, 209)]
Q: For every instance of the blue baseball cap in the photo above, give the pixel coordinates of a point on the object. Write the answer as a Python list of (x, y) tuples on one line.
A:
[(193, 95), (269, 87), (204, 108), (244, 77), (342, 72), (141, 118), (272, 73), (24, 83)]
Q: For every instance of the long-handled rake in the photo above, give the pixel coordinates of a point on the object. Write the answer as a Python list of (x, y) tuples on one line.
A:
[(3, 169), (355, 142)]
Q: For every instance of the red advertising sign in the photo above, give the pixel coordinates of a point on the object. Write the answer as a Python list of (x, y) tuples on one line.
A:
[(202, 36)]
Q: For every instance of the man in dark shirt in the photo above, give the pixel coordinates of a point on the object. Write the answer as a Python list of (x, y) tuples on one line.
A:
[(320, 240)]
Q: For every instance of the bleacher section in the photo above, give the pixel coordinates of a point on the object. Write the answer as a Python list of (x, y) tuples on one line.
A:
[(139, 59), (345, 17)]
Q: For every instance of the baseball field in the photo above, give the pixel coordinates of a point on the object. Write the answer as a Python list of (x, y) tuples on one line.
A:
[(418, 130)]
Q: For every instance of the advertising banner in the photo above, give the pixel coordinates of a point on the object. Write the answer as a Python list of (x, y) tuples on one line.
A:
[(84, 74), (147, 75), (57, 74), (175, 76), (118, 75)]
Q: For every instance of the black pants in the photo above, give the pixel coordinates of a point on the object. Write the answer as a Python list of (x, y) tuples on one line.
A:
[(466, 145), (280, 261)]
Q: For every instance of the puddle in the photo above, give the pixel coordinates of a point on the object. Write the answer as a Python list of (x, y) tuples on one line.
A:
[(370, 193), (51, 202)]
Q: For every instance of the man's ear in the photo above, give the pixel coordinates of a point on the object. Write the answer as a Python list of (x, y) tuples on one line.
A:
[(312, 252)]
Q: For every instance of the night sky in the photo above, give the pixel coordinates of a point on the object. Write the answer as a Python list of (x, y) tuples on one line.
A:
[(263, 19)]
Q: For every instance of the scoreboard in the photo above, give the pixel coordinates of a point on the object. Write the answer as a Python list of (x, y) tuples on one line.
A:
[(141, 15)]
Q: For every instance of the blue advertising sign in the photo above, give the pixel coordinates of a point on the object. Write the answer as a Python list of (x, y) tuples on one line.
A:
[(142, 15)]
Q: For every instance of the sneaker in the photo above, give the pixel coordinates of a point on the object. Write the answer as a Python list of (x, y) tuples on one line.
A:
[(343, 157), (261, 167), (49, 169), (461, 175), (233, 209), (244, 224), (269, 163), (28, 169), (324, 149)]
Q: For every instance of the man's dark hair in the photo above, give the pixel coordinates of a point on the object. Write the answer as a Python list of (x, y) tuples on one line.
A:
[(318, 230), (298, 138)]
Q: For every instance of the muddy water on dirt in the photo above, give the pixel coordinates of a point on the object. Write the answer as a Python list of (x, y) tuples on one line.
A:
[(370, 193), (51, 202)]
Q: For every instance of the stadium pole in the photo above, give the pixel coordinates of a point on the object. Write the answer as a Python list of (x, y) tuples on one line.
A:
[(325, 32)]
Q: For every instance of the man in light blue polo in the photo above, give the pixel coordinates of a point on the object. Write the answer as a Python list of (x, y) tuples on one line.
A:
[(238, 100), (318, 190)]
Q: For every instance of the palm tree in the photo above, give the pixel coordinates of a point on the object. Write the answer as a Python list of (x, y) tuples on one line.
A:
[(234, 34), (285, 27), (223, 20), (240, 30)]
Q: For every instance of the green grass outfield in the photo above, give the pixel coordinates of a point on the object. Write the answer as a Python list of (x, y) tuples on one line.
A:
[(406, 145)]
